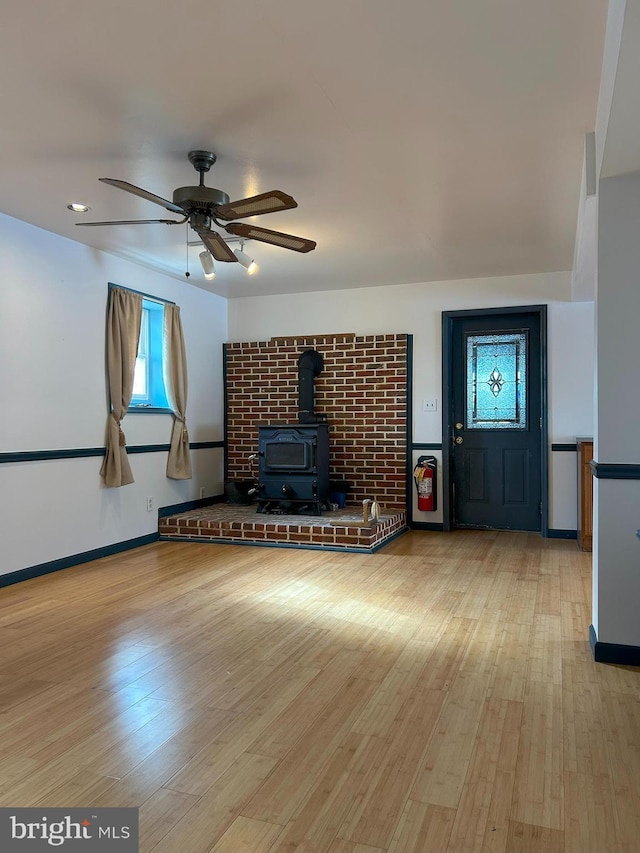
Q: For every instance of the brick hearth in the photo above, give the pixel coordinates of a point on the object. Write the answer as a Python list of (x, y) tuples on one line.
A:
[(337, 530)]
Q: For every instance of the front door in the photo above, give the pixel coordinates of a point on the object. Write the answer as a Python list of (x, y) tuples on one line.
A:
[(495, 419)]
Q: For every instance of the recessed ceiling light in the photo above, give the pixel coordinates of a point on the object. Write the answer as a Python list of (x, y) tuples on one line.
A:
[(76, 207)]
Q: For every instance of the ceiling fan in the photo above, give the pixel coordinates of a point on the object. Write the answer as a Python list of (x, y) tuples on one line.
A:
[(201, 206)]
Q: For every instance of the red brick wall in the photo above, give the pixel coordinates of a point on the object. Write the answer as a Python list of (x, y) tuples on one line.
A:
[(362, 391)]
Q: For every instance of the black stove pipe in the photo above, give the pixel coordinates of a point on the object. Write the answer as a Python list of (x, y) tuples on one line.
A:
[(310, 365)]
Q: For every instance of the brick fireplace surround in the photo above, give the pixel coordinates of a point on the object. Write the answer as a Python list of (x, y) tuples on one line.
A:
[(362, 390)]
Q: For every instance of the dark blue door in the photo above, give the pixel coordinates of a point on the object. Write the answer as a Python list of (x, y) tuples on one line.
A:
[(496, 421)]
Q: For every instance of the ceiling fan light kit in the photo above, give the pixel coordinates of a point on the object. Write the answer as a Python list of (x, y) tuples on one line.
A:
[(246, 260), (208, 266), (204, 207)]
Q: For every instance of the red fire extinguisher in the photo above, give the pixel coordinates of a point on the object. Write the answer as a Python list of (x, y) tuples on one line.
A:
[(425, 476)]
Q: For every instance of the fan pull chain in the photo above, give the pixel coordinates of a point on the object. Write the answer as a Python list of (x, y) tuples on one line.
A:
[(187, 273)]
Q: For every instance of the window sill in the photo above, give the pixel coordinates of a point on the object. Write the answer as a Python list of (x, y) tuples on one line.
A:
[(146, 410)]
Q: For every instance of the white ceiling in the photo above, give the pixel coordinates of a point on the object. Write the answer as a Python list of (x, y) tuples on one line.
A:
[(423, 139)]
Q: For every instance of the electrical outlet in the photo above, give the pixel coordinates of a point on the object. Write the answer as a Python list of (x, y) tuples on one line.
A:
[(430, 405), (149, 503), (202, 490)]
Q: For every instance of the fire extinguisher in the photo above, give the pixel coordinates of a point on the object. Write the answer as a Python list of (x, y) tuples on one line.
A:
[(425, 476)]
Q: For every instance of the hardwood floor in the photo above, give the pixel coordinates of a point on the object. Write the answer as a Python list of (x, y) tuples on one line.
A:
[(439, 695)]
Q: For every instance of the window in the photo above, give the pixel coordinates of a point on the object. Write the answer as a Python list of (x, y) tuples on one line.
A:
[(149, 393), (496, 381)]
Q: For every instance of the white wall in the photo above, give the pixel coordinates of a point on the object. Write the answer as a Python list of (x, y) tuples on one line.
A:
[(416, 309), (53, 298), (616, 557)]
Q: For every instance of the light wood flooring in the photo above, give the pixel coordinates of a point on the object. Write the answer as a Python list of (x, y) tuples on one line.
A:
[(439, 695)]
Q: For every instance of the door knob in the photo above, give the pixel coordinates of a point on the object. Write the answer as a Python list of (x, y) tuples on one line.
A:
[(459, 439)]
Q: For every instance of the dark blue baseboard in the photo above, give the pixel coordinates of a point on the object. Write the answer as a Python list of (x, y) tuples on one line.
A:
[(75, 560), (613, 652), (551, 533), (86, 556), (558, 533)]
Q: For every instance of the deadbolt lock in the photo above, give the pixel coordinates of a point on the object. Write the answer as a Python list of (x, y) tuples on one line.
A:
[(458, 425)]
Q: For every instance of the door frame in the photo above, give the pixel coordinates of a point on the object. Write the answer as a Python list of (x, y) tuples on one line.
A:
[(448, 318)]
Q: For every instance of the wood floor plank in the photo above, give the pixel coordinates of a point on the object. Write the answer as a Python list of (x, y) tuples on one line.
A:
[(79, 791), (401, 681), (449, 652), (585, 737), (395, 760), (497, 825), (444, 767), (509, 678), (496, 749), (342, 846), (159, 814), (545, 654), (623, 748), (288, 786), (221, 752), (212, 814), (316, 824), (422, 828), (298, 717), (244, 834), (537, 797), (527, 838), (590, 815), (155, 771)]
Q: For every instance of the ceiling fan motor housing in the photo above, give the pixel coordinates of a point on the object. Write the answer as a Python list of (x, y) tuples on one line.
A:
[(199, 198)]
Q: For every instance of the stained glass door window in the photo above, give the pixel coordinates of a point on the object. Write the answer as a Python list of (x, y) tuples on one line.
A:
[(496, 380)]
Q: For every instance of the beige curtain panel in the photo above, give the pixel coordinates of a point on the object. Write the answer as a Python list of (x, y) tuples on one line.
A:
[(176, 384), (123, 332)]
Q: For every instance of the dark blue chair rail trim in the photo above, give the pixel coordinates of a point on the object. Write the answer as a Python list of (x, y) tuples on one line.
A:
[(613, 652), (437, 445), (614, 471), (82, 452)]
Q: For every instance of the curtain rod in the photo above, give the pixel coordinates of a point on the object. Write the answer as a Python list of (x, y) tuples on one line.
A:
[(148, 296)]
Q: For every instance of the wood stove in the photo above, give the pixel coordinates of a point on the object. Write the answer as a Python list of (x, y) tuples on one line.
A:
[(293, 459), (293, 468)]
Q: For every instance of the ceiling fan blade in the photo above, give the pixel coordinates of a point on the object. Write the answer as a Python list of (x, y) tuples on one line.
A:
[(270, 202), (217, 246), (135, 222), (276, 238), (130, 188)]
